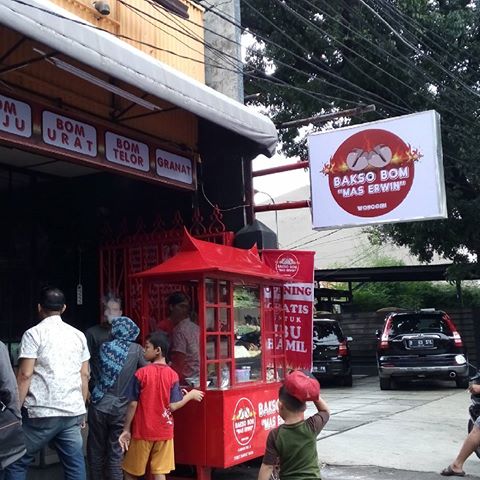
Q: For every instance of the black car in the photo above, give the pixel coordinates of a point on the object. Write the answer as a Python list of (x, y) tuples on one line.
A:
[(420, 344), (331, 353)]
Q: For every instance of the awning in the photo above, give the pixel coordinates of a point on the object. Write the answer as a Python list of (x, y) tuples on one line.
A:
[(200, 257), (45, 22)]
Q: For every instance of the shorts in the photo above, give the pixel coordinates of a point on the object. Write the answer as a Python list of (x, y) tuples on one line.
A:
[(160, 454)]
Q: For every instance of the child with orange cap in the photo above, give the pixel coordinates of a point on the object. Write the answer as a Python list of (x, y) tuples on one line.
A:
[(293, 445)]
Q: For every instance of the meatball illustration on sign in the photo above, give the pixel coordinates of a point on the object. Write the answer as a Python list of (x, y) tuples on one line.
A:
[(287, 264), (371, 172), (244, 421)]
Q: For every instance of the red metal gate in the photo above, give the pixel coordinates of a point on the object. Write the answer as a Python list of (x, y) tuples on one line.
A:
[(128, 254)]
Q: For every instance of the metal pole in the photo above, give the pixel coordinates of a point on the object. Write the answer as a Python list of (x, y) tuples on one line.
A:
[(282, 168), (327, 117), (283, 206)]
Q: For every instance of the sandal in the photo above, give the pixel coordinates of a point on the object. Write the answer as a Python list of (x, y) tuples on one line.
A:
[(449, 472)]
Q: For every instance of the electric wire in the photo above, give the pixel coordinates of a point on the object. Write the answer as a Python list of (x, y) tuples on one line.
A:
[(132, 39), (352, 64), (419, 28), (150, 18), (400, 60), (372, 96), (418, 51), (120, 36), (285, 84), (312, 25), (271, 79), (454, 113), (304, 60), (411, 88), (233, 61)]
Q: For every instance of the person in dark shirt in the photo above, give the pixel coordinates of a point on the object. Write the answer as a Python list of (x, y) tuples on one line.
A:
[(98, 334), (293, 446), (118, 361)]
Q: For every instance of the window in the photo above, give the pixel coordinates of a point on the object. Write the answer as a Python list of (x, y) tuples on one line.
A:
[(174, 6), (248, 339), (326, 333), (237, 350), (404, 324), (219, 333)]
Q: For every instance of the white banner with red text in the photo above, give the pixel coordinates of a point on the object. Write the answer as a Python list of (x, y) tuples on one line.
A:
[(298, 268)]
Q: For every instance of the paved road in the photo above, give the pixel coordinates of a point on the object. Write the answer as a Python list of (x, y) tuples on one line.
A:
[(419, 427), (405, 434)]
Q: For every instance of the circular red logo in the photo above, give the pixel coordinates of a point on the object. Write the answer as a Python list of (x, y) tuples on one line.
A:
[(371, 172), (244, 421), (287, 264)]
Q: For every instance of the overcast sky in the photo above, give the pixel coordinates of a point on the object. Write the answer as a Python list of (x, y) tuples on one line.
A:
[(278, 183)]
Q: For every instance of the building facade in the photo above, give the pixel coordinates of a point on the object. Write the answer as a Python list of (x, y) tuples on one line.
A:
[(110, 142)]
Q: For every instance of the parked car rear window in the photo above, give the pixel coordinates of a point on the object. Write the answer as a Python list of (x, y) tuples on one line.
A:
[(326, 333), (404, 324)]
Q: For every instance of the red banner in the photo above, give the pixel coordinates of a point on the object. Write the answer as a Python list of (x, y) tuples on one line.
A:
[(298, 267)]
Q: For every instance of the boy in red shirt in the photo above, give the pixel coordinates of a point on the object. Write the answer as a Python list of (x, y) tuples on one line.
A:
[(148, 431)]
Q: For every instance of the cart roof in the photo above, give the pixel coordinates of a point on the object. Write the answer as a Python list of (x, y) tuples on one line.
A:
[(199, 257)]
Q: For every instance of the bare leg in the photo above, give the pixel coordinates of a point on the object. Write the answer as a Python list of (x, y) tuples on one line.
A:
[(127, 476), (469, 445), (159, 476)]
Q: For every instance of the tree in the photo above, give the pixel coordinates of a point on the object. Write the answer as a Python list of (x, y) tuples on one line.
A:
[(316, 56), (371, 296)]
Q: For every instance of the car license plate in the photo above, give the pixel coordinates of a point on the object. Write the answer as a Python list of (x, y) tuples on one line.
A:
[(319, 368), (421, 343)]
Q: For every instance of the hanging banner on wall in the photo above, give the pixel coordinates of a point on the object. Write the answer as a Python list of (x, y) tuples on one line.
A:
[(380, 172), (298, 267)]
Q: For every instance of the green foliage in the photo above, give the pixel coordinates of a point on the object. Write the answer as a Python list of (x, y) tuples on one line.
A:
[(245, 297), (373, 296), (413, 55), (368, 297)]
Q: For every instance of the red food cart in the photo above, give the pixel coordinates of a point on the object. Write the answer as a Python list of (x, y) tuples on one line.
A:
[(239, 303)]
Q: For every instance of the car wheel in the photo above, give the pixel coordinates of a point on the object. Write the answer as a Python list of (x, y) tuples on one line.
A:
[(462, 382), (385, 383)]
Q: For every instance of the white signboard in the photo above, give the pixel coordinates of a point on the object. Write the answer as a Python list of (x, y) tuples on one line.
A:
[(126, 152), (380, 172), (69, 134), (173, 166), (15, 117)]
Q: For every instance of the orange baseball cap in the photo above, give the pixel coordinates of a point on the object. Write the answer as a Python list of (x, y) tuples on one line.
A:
[(302, 387)]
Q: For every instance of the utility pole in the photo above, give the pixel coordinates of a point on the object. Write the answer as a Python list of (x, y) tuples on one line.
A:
[(222, 72)]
